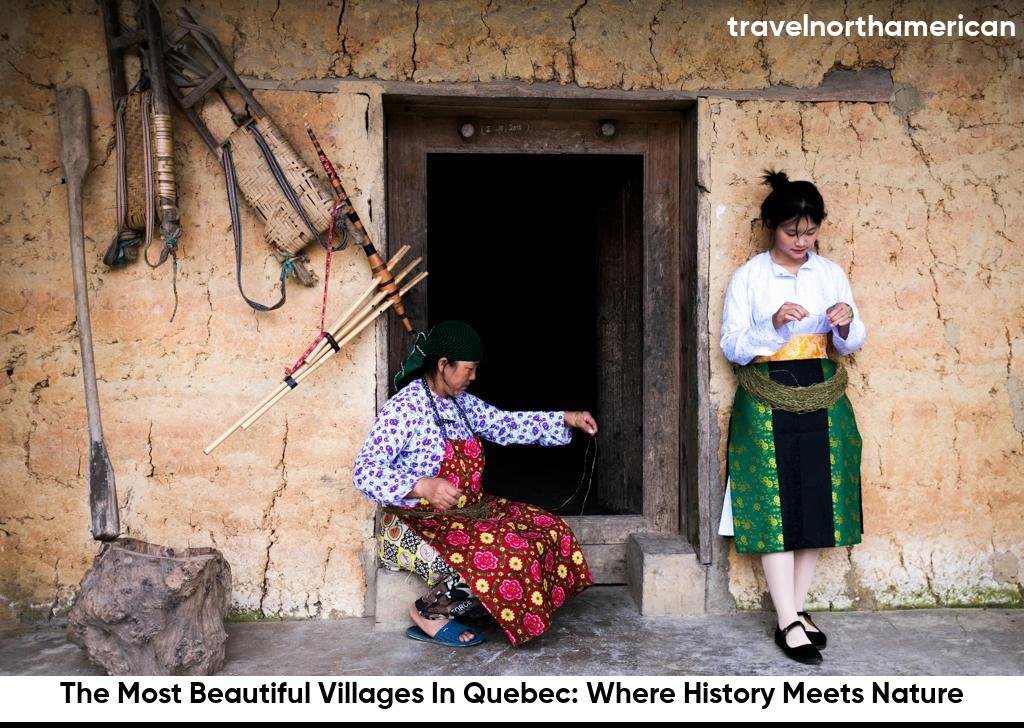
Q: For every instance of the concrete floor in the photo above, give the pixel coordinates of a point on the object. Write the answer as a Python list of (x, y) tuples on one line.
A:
[(599, 633)]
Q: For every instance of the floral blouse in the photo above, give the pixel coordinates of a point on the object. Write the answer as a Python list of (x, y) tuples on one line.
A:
[(406, 442)]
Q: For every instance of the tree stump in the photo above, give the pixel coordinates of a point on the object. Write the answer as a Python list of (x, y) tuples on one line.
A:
[(152, 610)]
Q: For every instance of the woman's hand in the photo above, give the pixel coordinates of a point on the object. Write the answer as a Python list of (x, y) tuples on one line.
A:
[(441, 494), (841, 314), (581, 421), (789, 312)]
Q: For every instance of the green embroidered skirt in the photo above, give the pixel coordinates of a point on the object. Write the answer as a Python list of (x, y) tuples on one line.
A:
[(794, 478)]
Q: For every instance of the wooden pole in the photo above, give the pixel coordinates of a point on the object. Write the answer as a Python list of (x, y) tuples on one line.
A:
[(73, 120), (115, 52), (387, 283), (238, 423)]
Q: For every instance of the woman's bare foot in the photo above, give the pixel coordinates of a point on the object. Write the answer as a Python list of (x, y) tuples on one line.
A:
[(431, 626)]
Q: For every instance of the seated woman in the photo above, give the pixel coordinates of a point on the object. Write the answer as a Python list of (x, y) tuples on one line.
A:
[(424, 462)]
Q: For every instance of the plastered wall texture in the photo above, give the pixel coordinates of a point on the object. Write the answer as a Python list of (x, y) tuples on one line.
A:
[(925, 212)]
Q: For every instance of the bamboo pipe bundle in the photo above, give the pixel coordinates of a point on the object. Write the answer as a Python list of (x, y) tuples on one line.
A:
[(359, 303), (365, 309), (364, 319), (345, 333)]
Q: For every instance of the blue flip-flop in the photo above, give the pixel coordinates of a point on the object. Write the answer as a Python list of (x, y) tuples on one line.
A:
[(447, 635)]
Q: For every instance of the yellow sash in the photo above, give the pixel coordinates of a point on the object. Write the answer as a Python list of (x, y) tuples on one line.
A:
[(802, 346)]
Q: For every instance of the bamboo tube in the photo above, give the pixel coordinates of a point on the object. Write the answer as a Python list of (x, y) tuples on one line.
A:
[(368, 292), (367, 318), (340, 333), (372, 256)]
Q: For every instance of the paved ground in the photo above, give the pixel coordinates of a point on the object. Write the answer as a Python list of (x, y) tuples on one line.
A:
[(600, 633)]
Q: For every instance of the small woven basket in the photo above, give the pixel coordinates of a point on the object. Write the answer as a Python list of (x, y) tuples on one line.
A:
[(284, 228)]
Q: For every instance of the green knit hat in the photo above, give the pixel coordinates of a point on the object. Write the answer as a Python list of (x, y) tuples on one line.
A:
[(455, 340)]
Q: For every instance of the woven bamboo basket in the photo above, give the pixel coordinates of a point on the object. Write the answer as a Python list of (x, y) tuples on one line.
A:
[(284, 228)]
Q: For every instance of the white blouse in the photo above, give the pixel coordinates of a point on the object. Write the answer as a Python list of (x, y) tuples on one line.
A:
[(760, 286)]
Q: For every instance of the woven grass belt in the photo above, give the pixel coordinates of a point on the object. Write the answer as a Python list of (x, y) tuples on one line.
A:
[(477, 510), (798, 400)]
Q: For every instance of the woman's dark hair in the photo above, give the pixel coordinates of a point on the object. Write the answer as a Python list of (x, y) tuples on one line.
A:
[(789, 200), (430, 364)]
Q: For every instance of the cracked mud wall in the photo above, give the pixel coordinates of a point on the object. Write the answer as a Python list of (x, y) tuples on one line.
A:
[(277, 499), (925, 207), (932, 252), (924, 201)]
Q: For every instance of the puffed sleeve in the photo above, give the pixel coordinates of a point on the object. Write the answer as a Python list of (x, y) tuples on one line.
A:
[(515, 428), (743, 338), (858, 332), (375, 473)]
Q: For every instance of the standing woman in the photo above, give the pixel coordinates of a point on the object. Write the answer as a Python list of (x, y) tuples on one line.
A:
[(794, 448)]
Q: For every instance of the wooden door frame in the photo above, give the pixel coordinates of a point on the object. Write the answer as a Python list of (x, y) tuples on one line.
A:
[(666, 139)]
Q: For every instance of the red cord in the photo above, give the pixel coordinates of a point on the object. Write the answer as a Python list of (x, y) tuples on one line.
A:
[(323, 307)]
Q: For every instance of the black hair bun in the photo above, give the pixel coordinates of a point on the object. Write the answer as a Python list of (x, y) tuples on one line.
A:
[(777, 180), (790, 200)]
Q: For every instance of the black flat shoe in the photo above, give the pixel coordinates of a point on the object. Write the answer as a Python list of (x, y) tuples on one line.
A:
[(807, 654), (818, 639)]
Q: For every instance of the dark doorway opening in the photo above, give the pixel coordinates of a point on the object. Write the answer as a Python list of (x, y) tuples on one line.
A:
[(542, 254)]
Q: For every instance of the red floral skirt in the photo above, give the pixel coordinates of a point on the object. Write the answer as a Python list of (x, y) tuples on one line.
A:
[(522, 562)]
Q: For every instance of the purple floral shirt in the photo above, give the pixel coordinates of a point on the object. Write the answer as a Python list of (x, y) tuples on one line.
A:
[(406, 443)]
